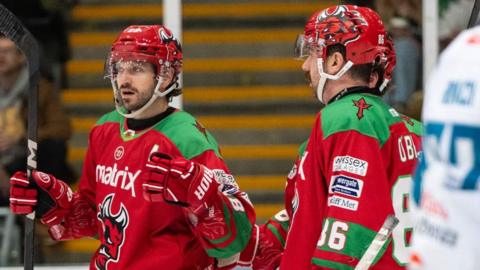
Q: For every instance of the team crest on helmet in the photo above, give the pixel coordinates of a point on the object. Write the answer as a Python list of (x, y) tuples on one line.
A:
[(339, 12), (113, 237), (167, 38), (165, 35), (340, 20)]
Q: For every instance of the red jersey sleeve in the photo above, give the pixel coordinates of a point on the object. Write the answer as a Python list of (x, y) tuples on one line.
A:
[(227, 230)]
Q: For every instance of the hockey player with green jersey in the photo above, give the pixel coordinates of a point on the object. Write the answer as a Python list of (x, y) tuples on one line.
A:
[(154, 187), (357, 165)]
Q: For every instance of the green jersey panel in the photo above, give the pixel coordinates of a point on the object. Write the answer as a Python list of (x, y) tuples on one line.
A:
[(188, 135), (365, 113)]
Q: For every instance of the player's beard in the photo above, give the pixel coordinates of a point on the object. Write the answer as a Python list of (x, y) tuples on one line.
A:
[(138, 102)]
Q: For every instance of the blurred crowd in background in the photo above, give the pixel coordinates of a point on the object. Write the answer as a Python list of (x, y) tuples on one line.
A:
[(48, 22)]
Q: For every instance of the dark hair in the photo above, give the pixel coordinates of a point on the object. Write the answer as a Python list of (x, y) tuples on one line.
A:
[(362, 71), (175, 92)]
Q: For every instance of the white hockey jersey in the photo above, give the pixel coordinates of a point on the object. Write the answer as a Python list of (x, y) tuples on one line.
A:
[(447, 234)]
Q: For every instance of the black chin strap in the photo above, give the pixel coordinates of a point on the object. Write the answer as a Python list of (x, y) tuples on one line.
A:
[(354, 90)]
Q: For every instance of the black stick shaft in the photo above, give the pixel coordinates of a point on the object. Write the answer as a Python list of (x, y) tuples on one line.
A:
[(474, 15), (31, 165), (13, 29)]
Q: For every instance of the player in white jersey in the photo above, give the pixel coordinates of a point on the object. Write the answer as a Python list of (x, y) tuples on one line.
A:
[(447, 234)]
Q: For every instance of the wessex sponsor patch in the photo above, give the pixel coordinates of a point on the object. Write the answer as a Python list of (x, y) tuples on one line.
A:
[(343, 203), (350, 164), (345, 185)]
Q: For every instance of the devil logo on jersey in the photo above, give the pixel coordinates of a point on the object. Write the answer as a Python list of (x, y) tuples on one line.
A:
[(335, 21), (114, 226)]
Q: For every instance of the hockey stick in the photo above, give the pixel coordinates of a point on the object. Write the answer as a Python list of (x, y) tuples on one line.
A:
[(13, 29), (377, 243), (474, 16)]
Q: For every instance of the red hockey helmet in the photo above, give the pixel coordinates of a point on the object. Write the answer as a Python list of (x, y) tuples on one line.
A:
[(154, 44), (151, 43), (359, 29)]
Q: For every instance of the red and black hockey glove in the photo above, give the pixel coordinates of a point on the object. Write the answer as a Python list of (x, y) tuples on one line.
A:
[(49, 197), (271, 242), (179, 181)]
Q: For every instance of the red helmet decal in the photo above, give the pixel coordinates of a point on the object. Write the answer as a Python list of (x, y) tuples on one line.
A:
[(341, 20), (359, 29), (164, 35)]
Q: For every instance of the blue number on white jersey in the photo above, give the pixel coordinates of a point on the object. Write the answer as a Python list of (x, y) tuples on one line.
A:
[(459, 92), (455, 146)]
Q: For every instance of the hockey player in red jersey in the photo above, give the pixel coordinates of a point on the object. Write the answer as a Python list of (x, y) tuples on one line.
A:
[(356, 168), (273, 234), (154, 188)]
